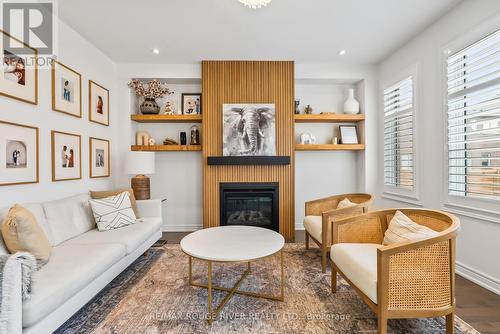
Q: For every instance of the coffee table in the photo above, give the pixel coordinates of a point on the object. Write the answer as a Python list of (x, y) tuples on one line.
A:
[(232, 244)]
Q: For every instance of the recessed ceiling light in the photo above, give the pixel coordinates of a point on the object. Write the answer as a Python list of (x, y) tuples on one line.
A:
[(342, 52), (447, 51), (156, 51)]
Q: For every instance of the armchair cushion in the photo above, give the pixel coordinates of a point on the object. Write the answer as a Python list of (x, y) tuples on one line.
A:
[(313, 225), (402, 229), (358, 262)]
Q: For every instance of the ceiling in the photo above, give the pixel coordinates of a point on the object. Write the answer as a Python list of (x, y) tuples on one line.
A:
[(307, 31)]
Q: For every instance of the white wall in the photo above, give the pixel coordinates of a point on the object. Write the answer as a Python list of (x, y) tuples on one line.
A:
[(79, 54), (479, 239)]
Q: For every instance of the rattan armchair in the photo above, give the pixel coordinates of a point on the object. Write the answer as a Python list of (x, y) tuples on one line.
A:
[(411, 279), (321, 212)]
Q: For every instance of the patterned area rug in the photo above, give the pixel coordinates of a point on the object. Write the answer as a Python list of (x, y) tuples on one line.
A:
[(153, 296)]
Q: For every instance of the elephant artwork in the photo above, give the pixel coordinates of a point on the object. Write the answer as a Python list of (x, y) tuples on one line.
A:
[(249, 130)]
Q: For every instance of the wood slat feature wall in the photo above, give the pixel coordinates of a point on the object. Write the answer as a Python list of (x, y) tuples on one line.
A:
[(248, 82)]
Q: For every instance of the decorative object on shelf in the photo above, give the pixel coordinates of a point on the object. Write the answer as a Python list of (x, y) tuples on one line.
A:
[(169, 141), (183, 138), (195, 135), (306, 138), (308, 109), (351, 105), (255, 3), (98, 103), (335, 140), (348, 134), (140, 164), (297, 104), (191, 103), (66, 90), (327, 113), (142, 138), (19, 148), (249, 129), (169, 108), (151, 141), (66, 156), (150, 92), (99, 157), (19, 81)]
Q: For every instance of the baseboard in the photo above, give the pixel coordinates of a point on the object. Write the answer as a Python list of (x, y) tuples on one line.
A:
[(481, 279), (299, 226), (181, 228)]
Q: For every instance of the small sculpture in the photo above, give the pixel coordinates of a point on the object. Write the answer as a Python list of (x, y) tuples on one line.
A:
[(308, 109), (142, 138), (151, 141), (195, 135), (307, 138), (169, 108), (297, 104), (169, 141)]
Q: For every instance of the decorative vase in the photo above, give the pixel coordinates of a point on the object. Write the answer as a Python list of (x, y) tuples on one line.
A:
[(149, 106), (195, 135), (351, 105)]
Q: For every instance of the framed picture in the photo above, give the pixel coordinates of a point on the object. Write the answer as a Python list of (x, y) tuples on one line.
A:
[(66, 90), (99, 157), (191, 103), (248, 129), (18, 154), (20, 72), (348, 134), (66, 156), (98, 103)]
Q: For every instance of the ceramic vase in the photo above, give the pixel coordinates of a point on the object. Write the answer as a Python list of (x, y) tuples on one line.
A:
[(149, 106), (351, 105)]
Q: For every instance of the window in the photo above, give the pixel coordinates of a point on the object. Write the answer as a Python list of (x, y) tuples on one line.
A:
[(398, 135), (473, 76)]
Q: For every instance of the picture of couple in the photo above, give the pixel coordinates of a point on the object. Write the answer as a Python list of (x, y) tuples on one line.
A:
[(14, 68), (16, 154), (99, 158), (67, 157)]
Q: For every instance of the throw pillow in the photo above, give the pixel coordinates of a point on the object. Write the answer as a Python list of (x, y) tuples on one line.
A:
[(21, 233), (402, 229), (345, 203), (109, 193), (113, 212)]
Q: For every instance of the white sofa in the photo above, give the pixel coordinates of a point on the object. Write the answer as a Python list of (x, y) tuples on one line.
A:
[(83, 260)]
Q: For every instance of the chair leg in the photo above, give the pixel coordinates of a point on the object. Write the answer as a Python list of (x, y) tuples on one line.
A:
[(450, 323), (382, 324), (307, 240), (323, 258), (334, 279)]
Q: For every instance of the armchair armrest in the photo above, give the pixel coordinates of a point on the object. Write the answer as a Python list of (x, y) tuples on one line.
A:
[(417, 275), (366, 228), (149, 208), (318, 206)]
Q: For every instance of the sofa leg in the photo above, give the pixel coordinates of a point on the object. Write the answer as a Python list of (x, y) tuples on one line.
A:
[(323, 260), (307, 240), (450, 323), (334, 280), (382, 324)]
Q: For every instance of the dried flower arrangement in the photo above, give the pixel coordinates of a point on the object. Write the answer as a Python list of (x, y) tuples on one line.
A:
[(151, 90)]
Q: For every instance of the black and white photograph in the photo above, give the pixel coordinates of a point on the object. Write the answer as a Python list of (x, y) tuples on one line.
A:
[(99, 158), (249, 129)]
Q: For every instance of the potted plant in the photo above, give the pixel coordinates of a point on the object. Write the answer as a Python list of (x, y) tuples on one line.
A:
[(150, 91)]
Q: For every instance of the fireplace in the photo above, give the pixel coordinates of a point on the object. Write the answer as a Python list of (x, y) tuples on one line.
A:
[(251, 204)]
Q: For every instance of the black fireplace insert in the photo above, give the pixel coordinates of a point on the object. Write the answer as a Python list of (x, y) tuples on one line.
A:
[(250, 204)]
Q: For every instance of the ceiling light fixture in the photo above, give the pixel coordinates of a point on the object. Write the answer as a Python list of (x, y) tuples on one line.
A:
[(156, 51), (255, 3), (342, 52)]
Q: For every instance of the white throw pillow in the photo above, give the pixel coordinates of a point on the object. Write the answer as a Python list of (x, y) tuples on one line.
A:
[(403, 229), (113, 212), (345, 203)]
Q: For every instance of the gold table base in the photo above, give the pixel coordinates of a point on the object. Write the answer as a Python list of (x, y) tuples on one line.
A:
[(213, 314)]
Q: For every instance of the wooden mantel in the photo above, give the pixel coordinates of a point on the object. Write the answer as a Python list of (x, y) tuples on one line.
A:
[(248, 82)]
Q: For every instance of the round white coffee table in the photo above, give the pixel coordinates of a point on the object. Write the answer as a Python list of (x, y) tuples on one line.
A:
[(232, 244)]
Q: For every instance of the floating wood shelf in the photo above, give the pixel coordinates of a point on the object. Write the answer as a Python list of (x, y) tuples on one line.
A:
[(329, 147), (328, 118), (165, 148), (166, 118)]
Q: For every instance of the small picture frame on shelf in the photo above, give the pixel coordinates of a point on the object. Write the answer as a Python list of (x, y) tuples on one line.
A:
[(348, 134), (191, 103)]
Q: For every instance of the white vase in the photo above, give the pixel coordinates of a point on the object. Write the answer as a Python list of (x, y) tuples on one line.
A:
[(351, 105)]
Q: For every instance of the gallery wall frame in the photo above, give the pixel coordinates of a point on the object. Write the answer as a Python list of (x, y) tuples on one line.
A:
[(35, 157), (67, 103), (94, 115), (57, 175), (93, 161)]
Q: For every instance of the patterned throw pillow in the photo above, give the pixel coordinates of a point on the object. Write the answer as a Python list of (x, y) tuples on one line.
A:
[(113, 212), (402, 229)]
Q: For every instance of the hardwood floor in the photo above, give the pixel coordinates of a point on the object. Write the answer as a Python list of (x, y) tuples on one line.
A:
[(475, 305)]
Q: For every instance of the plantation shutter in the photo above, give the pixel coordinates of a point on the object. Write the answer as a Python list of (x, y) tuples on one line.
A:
[(473, 76), (398, 135)]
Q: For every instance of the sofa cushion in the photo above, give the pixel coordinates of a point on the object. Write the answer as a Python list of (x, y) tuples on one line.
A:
[(69, 270), (359, 263), (108, 193), (113, 212), (313, 225), (131, 236), (68, 217), (402, 229)]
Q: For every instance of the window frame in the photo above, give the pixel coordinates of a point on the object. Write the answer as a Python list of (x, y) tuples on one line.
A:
[(478, 208), (410, 196)]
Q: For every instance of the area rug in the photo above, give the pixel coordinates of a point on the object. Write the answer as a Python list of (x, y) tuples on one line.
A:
[(153, 296)]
